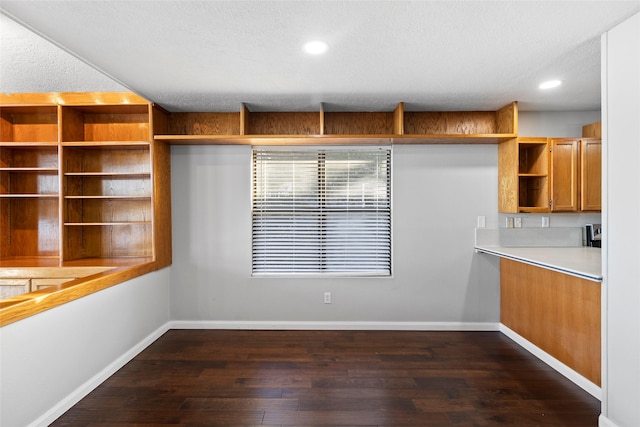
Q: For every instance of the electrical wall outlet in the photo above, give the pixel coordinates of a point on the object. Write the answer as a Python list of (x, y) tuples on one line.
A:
[(545, 221), (517, 222), (327, 297), (482, 221), (509, 222)]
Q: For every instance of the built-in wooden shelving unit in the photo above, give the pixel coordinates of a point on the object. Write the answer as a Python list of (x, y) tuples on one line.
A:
[(335, 127), (82, 178)]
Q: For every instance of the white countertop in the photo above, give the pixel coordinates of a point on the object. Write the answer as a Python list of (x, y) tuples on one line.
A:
[(581, 261)]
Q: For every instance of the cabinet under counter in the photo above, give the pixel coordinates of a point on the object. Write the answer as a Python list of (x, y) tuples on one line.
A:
[(557, 312)]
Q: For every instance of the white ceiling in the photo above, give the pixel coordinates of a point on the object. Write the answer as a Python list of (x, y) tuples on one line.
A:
[(215, 55)]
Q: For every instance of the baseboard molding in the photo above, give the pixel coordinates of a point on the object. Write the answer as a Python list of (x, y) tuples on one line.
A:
[(563, 369), (346, 326), (78, 394), (605, 422)]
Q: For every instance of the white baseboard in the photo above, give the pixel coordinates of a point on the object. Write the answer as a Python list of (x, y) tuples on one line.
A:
[(78, 394), (563, 369), (605, 422), (346, 326)]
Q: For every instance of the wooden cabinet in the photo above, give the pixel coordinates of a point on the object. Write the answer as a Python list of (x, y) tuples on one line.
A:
[(591, 174), (83, 179), (539, 175), (565, 157), (523, 175), (576, 174), (557, 312)]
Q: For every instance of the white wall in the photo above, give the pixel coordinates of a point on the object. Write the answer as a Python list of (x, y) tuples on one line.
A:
[(621, 296), (555, 124), (438, 192), (48, 360)]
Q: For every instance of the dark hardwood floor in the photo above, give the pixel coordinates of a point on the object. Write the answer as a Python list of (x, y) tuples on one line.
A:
[(334, 378)]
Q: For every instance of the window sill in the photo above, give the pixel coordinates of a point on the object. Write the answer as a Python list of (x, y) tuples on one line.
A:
[(22, 306)]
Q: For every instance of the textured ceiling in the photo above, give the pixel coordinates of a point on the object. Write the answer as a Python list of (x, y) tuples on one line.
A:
[(215, 55)]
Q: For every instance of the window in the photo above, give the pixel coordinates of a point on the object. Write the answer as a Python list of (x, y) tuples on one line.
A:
[(322, 211)]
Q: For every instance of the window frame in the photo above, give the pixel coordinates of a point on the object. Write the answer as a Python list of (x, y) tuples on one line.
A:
[(326, 274)]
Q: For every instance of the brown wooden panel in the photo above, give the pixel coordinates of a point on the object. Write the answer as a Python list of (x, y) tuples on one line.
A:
[(29, 124), (107, 159), (508, 176), (533, 193), (398, 119), (533, 156), (71, 124), (449, 122), (72, 98), (42, 156), (30, 227), (107, 210), (161, 153), (358, 123), (284, 123), (593, 130), (105, 123), (557, 312), (507, 119), (95, 241), (5, 230), (204, 124), (564, 173), (591, 174), (116, 127)]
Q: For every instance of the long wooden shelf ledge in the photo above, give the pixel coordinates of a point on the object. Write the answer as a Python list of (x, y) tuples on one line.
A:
[(342, 128)]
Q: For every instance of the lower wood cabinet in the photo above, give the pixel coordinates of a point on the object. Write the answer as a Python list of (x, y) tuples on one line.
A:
[(557, 312)]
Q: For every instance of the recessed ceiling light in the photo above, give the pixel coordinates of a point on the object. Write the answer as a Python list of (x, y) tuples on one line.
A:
[(550, 84), (316, 47)]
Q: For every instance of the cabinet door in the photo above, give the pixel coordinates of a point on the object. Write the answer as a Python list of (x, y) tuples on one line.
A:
[(564, 174), (591, 174)]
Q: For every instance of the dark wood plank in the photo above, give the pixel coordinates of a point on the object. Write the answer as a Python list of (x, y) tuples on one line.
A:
[(334, 378)]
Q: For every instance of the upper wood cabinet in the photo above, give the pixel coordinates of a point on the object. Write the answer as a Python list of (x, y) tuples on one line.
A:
[(539, 175), (81, 178), (576, 174), (591, 174), (564, 169), (399, 126)]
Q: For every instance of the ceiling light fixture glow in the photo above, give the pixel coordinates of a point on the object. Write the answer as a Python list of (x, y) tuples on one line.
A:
[(550, 84), (316, 47)]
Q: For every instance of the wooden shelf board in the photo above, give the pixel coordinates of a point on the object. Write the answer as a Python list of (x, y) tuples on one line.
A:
[(109, 197), (29, 144), (533, 209), (332, 139), (108, 174), (106, 144), (39, 170), (29, 196), (100, 224), (532, 175)]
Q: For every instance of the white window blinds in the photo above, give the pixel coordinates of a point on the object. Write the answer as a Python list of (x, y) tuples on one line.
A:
[(322, 211)]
